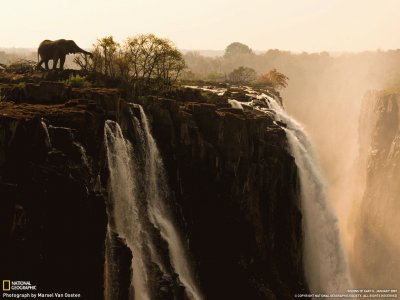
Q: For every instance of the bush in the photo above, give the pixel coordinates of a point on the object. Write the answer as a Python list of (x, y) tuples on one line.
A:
[(77, 81), (274, 78), (22, 66)]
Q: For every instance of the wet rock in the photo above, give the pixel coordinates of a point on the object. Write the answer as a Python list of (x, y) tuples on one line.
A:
[(237, 189), (53, 217)]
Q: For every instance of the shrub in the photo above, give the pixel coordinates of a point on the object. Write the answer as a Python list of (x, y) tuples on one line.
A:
[(22, 66), (275, 78), (78, 81)]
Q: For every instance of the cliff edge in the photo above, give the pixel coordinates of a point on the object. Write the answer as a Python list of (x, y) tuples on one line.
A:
[(234, 185)]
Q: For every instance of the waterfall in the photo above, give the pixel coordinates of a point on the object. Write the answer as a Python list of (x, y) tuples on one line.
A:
[(160, 216), (84, 157), (324, 260), (140, 214), (109, 291), (46, 131), (123, 214)]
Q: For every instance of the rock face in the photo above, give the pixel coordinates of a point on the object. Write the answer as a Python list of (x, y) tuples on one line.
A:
[(377, 239), (236, 188), (53, 215), (234, 184)]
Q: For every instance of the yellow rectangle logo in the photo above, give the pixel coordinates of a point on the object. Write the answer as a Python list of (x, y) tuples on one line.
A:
[(6, 285)]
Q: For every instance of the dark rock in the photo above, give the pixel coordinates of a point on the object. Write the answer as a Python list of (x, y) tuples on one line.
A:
[(53, 221), (235, 192), (46, 92), (237, 189)]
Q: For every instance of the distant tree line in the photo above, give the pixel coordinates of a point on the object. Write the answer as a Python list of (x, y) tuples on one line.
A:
[(235, 66), (277, 66), (271, 79)]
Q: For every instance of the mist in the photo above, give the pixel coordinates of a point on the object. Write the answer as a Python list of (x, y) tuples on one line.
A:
[(328, 101), (326, 94)]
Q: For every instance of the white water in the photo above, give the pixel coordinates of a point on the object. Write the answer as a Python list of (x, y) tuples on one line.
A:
[(235, 104), (131, 211), (324, 261), (124, 216), (47, 141), (83, 155), (160, 216), (108, 266)]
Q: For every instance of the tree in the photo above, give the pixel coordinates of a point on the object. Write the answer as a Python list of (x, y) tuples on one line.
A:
[(277, 79), (142, 62), (242, 75), (152, 59), (104, 58), (109, 50), (237, 48)]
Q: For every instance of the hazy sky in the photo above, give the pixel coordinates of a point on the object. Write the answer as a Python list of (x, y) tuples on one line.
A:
[(310, 25)]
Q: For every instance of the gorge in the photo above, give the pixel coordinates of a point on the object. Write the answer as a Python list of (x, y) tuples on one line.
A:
[(176, 197)]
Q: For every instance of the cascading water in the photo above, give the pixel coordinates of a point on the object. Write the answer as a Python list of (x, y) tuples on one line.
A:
[(139, 214), (324, 261), (46, 131), (82, 151), (123, 213), (157, 192)]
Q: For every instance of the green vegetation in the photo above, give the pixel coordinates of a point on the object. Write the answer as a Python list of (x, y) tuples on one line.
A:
[(77, 81)]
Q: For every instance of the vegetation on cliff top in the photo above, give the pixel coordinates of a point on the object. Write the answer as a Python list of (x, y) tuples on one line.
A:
[(141, 64), (147, 64)]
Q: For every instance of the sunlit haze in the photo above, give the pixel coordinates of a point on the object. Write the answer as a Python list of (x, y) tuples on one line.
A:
[(297, 25)]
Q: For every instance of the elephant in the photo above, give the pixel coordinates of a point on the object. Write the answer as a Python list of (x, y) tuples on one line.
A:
[(57, 50)]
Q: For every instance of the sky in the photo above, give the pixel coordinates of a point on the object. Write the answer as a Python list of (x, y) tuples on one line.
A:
[(296, 25)]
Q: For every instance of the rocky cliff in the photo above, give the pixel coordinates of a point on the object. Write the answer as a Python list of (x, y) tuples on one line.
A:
[(234, 185), (377, 239)]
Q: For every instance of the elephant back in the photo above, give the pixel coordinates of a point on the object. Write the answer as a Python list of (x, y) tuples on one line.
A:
[(45, 43)]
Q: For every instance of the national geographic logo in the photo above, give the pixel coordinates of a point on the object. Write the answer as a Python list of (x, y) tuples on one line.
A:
[(9, 285), (6, 285)]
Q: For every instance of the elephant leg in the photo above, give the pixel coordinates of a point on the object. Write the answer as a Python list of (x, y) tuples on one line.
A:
[(55, 62), (62, 61), (46, 64)]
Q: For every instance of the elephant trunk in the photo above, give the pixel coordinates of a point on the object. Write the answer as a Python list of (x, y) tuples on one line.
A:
[(80, 50), (87, 53)]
